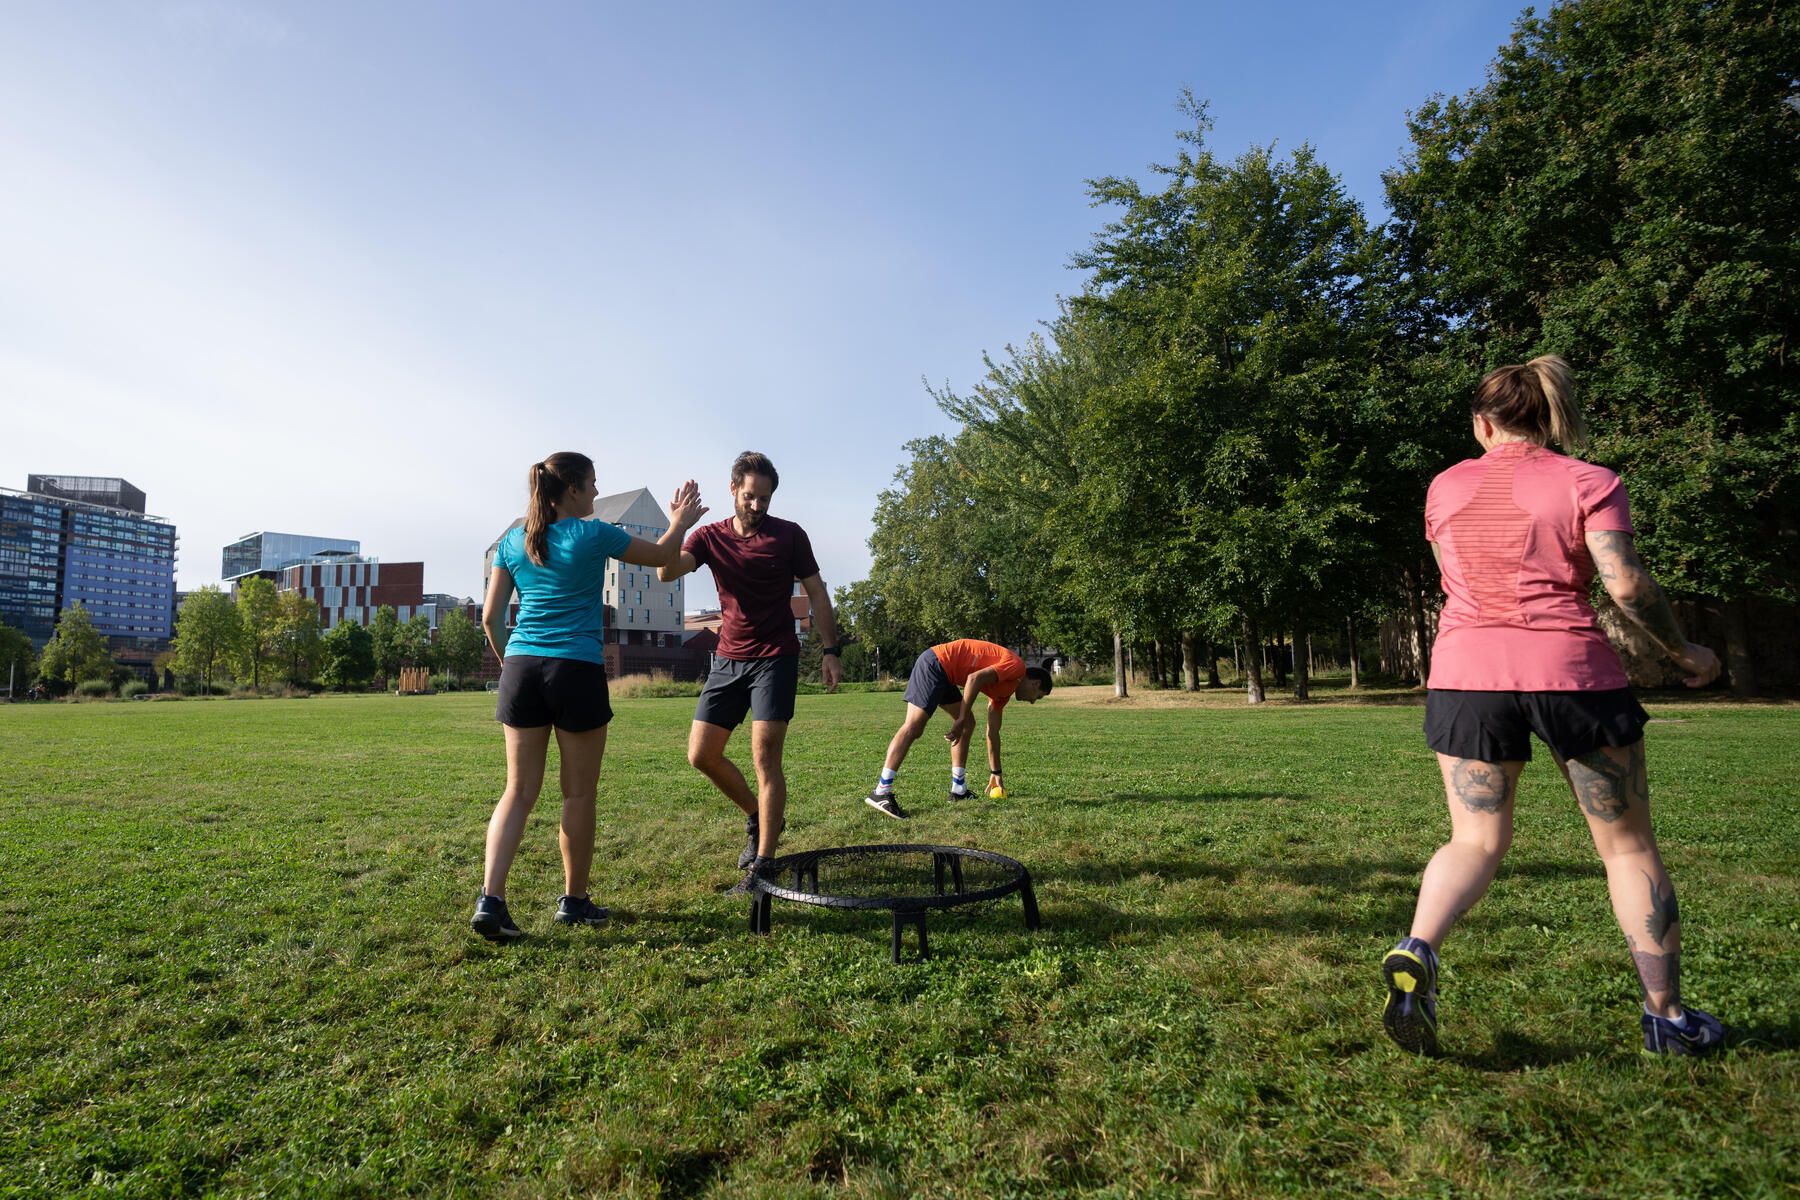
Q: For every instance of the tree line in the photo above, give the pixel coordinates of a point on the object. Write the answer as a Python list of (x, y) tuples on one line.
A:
[(1224, 439), (255, 638)]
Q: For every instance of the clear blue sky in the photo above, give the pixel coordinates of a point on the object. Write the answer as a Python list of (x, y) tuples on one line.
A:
[(348, 268)]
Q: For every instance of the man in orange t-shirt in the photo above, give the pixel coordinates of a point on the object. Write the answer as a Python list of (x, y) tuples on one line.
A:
[(949, 676)]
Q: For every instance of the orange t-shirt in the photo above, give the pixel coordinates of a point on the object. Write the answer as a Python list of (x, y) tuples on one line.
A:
[(965, 656)]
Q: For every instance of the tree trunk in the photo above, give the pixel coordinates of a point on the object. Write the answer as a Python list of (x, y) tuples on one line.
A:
[(1253, 659), (1120, 689), (1190, 664), (1212, 665), (1415, 612), (1156, 661), (1735, 616), (1350, 646), (1281, 666), (1302, 659)]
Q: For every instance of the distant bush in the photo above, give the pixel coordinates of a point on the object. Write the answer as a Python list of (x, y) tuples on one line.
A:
[(1076, 674), (652, 686), (93, 689), (136, 687)]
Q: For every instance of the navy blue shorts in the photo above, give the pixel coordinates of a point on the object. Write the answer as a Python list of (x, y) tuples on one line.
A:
[(1497, 726), (762, 687), (928, 686), (569, 693)]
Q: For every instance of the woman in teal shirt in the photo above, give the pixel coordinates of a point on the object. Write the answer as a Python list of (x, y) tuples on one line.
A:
[(553, 673)]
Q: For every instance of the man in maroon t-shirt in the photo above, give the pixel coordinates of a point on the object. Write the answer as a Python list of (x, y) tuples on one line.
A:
[(755, 559)]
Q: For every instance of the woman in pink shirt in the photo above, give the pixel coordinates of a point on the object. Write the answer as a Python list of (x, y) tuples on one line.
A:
[(1519, 534)]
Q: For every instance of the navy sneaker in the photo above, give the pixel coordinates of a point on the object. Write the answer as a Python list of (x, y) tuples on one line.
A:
[(491, 920), (1695, 1034), (1410, 1016), (888, 805), (580, 910)]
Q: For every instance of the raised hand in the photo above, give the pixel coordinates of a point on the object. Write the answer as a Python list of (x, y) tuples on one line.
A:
[(685, 509)]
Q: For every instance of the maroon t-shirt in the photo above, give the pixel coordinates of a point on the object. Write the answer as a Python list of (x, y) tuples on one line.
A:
[(755, 577)]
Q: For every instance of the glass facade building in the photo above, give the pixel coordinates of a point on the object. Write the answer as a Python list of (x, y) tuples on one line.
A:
[(265, 551), (56, 551)]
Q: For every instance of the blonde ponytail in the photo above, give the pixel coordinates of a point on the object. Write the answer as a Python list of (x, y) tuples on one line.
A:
[(1567, 427)]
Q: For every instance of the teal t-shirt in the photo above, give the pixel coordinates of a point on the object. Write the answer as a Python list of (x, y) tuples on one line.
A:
[(561, 606)]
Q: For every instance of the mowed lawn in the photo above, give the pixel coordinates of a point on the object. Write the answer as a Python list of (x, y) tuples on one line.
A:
[(235, 961)]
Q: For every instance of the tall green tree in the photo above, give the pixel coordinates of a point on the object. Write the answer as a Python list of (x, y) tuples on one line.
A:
[(459, 643), (296, 635), (347, 656), (413, 642), (207, 634), (1237, 290), (77, 651), (259, 616), (384, 635), (955, 562), (18, 659), (1625, 190)]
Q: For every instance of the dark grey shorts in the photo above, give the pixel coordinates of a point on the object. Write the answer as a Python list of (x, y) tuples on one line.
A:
[(762, 687), (1497, 726), (928, 686), (569, 693)]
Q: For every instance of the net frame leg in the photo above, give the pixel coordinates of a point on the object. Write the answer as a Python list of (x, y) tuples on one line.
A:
[(1033, 921), (917, 921)]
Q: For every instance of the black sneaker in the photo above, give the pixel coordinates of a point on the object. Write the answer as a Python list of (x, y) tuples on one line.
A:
[(580, 910), (953, 794), (1696, 1033), (491, 920), (888, 805), (749, 854), (1410, 1016), (759, 867)]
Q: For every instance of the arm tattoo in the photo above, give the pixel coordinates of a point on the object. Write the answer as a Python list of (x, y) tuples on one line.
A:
[(1604, 786), (1622, 570), (1481, 786), (1658, 974), (1664, 911)]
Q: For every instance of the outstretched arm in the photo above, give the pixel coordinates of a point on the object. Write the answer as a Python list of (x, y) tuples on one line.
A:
[(684, 510), (993, 744), (1638, 596), (965, 720)]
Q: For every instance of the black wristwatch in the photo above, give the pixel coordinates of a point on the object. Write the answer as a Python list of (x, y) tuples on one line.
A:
[(837, 650)]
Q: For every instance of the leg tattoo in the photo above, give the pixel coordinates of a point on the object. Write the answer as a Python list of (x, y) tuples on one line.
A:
[(1482, 787), (1664, 912), (1604, 786), (1658, 974)]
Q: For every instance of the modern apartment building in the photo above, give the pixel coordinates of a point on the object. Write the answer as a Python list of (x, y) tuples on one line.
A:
[(351, 587), (269, 551), (71, 539), (642, 610)]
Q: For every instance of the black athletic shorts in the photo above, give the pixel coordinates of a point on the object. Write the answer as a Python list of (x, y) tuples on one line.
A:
[(1497, 726), (762, 687), (569, 693), (928, 686)]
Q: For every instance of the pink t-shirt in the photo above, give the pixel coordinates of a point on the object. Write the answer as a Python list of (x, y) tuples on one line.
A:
[(1510, 529)]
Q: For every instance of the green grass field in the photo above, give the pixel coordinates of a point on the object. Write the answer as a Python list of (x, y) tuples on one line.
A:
[(235, 961)]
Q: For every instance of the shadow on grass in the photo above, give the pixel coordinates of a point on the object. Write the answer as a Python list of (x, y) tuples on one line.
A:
[(1121, 798), (1513, 1051), (1764, 1035)]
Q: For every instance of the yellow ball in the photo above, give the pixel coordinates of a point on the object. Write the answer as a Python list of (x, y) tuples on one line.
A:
[(996, 792)]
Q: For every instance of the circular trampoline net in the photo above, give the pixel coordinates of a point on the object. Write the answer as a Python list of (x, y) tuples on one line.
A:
[(908, 880)]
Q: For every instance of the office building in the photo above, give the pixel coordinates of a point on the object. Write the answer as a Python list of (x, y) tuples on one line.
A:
[(77, 539), (265, 552), (351, 587)]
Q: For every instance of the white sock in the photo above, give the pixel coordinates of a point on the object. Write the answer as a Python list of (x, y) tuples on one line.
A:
[(886, 784), (958, 779)]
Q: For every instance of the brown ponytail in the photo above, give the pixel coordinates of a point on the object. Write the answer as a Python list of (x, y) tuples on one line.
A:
[(1535, 399), (546, 483)]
